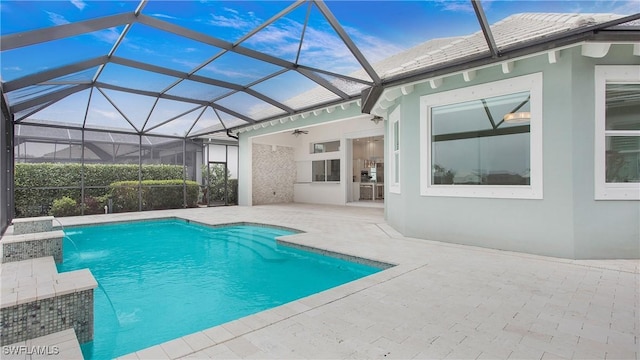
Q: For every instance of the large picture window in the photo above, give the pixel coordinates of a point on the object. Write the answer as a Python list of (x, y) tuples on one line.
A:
[(617, 145), (484, 141)]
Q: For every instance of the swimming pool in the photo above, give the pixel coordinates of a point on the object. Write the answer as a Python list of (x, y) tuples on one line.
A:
[(162, 279)]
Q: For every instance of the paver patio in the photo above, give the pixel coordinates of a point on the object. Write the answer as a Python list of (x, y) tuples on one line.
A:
[(440, 301)]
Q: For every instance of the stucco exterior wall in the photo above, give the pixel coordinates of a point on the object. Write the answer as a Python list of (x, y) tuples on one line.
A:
[(567, 222), (602, 228)]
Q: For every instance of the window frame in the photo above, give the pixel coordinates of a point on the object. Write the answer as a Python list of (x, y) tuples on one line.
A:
[(616, 74), (326, 171), (323, 145), (531, 83), (394, 151)]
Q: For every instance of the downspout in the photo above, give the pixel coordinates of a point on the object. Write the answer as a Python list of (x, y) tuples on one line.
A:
[(231, 135)]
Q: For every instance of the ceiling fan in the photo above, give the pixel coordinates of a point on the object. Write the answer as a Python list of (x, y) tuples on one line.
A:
[(298, 132)]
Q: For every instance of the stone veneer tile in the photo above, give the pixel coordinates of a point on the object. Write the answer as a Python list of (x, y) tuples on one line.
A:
[(32, 247), (46, 316), (32, 225), (274, 173)]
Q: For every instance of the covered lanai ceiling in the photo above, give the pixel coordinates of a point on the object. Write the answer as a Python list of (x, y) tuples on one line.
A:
[(192, 68)]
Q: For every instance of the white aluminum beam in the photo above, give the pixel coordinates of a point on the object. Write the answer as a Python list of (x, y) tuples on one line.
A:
[(48, 98), (53, 74), (486, 29), (347, 41)]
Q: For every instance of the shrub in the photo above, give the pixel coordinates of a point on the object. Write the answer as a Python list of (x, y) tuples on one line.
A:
[(65, 206), (31, 199), (216, 178), (156, 195), (95, 205)]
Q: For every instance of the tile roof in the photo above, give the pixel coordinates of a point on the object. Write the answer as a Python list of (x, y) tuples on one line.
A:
[(513, 30)]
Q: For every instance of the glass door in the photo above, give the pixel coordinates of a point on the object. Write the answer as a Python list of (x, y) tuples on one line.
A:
[(217, 180)]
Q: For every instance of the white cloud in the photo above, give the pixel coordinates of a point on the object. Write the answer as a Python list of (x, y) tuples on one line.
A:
[(114, 115), (456, 5), (281, 41), (164, 16), (234, 20), (12, 68), (321, 48), (625, 7), (373, 48), (231, 10), (229, 73), (57, 19), (79, 4), (108, 35), (187, 63)]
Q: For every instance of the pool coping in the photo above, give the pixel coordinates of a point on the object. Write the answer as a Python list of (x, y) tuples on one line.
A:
[(193, 343)]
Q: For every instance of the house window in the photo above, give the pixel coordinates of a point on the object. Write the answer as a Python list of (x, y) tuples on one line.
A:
[(617, 136), (483, 141), (325, 170), (394, 156), (323, 147)]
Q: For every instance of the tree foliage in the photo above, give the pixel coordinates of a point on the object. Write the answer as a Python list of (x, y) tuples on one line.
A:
[(214, 176)]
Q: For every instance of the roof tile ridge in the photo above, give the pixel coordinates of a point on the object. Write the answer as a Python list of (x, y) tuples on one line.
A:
[(571, 19)]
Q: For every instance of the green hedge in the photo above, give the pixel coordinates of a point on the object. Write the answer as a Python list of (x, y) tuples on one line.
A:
[(156, 195), (36, 202)]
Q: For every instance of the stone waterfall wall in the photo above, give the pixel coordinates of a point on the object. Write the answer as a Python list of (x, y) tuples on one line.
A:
[(274, 173)]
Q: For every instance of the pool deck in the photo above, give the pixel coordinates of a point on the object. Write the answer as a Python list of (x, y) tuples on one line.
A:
[(440, 301)]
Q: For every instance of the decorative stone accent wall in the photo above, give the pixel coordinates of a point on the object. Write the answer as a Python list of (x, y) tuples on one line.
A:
[(47, 316), (31, 246), (274, 173), (32, 225)]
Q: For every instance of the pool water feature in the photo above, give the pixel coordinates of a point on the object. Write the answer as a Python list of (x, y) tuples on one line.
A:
[(163, 279)]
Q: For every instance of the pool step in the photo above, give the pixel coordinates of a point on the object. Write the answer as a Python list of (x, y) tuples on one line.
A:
[(265, 248), (266, 240), (37, 300)]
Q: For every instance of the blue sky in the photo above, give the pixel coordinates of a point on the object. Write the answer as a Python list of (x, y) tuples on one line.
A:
[(378, 28)]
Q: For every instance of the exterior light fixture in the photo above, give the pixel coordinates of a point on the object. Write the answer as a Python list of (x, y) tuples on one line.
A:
[(517, 117), (298, 132), (376, 119)]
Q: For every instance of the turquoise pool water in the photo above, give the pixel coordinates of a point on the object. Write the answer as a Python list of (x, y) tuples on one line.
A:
[(159, 280)]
